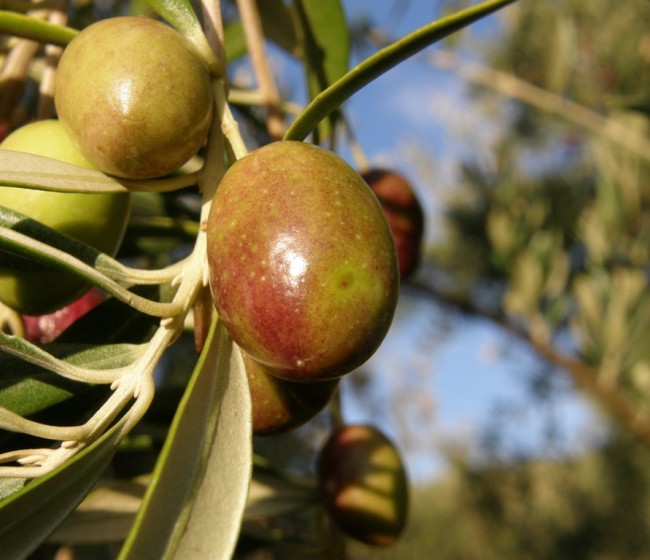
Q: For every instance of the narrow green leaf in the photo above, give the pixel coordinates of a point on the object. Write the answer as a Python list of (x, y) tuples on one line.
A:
[(273, 495), (325, 46), (26, 244), (105, 515), (234, 40), (16, 246), (277, 25), (382, 61), (27, 389), (9, 486), (20, 169), (30, 229), (28, 516), (195, 503), (108, 512), (36, 393), (27, 27), (19, 251), (181, 15)]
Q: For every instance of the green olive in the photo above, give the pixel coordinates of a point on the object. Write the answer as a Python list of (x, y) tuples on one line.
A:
[(98, 220), (134, 97)]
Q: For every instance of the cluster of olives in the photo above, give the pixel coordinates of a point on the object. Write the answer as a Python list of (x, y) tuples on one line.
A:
[(302, 256), (133, 100), (303, 266)]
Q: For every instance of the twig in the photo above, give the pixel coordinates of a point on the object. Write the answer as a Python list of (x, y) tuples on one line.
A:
[(611, 400), (230, 129), (252, 25), (254, 97), (58, 15), (511, 86), (337, 417), (13, 76), (213, 26)]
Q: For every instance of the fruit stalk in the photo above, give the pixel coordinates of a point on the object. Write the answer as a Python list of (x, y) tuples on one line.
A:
[(252, 24), (58, 15)]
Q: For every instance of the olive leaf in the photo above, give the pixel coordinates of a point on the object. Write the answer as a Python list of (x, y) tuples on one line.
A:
[(273, 493), (374, 66), (234, 40), (33, 391), (9, 486), (325, 46), (105, 515), (29, 515), (277, 24), (21, 169), (181, 15), (195, 503), (24, 243), (27, 27), (27, 389)]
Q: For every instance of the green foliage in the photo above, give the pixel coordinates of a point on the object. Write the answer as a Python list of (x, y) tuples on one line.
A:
[(374, 66), (198, 479), (566, 245), (181, 15), (34, 511), (550, 240), (28, 27), (590, 507)]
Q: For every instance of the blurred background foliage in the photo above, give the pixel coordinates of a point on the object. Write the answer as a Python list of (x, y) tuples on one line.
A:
[(547, 235)]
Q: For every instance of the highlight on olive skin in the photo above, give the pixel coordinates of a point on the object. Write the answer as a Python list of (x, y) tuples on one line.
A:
[(364, 485), (303, 265), (98, 220), (134, 97)]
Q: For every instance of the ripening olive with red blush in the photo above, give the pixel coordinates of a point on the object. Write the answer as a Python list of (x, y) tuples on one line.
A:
[(364, 485), (280, 406), (42, 329), (303, 268), (404, 214)]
